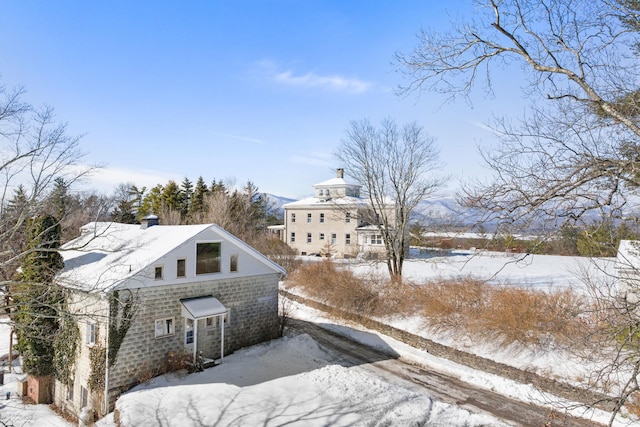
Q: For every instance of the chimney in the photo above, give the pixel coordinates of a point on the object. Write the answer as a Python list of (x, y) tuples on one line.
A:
[(340, 173), (149, 221)]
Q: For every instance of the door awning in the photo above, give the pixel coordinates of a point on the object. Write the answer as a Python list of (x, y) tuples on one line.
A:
[(201, 307)]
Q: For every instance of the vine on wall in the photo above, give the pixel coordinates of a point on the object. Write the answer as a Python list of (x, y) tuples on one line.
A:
[(97, 365), (65, 349), (119, 322)]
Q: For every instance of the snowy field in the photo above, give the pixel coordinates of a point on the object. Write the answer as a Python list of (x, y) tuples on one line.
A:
[(295, 381)]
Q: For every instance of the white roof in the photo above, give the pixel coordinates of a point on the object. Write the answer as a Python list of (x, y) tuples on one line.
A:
[(107, 254), (201, 307), (318, 202), (335, 182)]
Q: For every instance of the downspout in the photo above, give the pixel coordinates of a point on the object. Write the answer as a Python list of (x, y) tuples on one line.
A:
[(222, 338), (106, 365)]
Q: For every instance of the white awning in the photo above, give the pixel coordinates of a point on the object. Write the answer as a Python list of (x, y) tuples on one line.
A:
[(201, 307)]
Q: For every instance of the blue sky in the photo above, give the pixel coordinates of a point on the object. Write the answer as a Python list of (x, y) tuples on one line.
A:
[(243, 90)]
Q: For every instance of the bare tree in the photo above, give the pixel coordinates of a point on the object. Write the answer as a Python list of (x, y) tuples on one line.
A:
[(579, 152), (393, 165), (574, 154)]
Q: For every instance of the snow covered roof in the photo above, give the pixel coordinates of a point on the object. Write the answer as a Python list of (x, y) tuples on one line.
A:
[(335, 182), (107, 254), (201, 307), (318, 202)]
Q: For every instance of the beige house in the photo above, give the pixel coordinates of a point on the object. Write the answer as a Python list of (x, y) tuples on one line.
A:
[(145, 296), (336, 222)]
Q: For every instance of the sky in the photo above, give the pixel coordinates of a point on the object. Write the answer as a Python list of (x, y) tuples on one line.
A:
[(233, 90)]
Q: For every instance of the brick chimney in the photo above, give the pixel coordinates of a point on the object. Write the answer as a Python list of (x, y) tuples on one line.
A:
[(340, 173)]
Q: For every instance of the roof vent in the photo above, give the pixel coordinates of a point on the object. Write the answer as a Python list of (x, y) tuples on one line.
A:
[(149, 221), (340, 173)]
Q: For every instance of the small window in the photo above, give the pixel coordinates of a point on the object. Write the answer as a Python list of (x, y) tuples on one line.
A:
[(70, 387), (209, 322), (91, 334), (376, 239), (84, 397), (233, 263), (293, 237), (327, 193), (308, 217), (347, 239), (164, 327), (158, 273), (347, 217), (207, 258), (181, 268), (321, 236), (293, 217), (321, 217), (333, 238), (226, 317), (188, 332), (308, 237)]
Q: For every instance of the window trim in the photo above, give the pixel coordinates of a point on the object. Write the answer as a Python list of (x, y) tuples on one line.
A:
[(309, 238), (158, 269), (321, 217), (292, 237), (219, 257), (233, 263), (347, 238), (184, 267), (293, 217), (309, 217)]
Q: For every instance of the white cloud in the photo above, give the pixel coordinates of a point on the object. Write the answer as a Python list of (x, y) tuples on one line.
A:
[(311, 80)]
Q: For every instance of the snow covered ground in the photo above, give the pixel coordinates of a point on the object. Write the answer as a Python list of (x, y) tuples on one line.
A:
[(294, 380)]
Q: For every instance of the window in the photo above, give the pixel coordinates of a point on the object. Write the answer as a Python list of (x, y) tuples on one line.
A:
[(233, 263), (208, 322), (321, 217), (158, 273), (376, 239), (70, 387), (188, 332), (308, 217), (347, 239), (293, 217), (327, 193), (347, 217), (293, 237), (308, 237), (164, 327), (84, 397), (321, 236), (226, 318), (181, 268), (91, 334), (333, 238), (321, 192), (207, 258)]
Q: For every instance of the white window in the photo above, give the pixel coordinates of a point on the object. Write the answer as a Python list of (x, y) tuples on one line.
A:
[(293, 237), (308, 217), (376, 239), (321, 236), (347, 217), (188, 332), (158, 273), (293, 217), (91, 334), (347, 239), (84, 397), (333, 238), (321, 217), (208, 257), (321, 192), (308, 237), (233, 263), (164, 327)]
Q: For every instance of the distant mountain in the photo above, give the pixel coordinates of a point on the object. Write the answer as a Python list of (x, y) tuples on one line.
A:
[(278, 201)]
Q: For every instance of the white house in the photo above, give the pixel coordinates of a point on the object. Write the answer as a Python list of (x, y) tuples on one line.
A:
[(146, 295), (628, 270), (336, 221)]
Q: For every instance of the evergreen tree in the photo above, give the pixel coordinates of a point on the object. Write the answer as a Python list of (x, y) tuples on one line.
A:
[(197, 206), (59, 198), (151, 202), (36, 299), (186, 193)]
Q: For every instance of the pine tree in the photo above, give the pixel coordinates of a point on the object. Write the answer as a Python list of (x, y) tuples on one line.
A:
[(197, 206), (186, 196), (37, 299)]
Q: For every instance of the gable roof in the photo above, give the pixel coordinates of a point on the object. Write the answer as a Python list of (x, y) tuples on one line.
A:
[(107, 254)]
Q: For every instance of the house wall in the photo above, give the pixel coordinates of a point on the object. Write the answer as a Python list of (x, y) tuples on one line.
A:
[(253, 305), (334, 223)]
